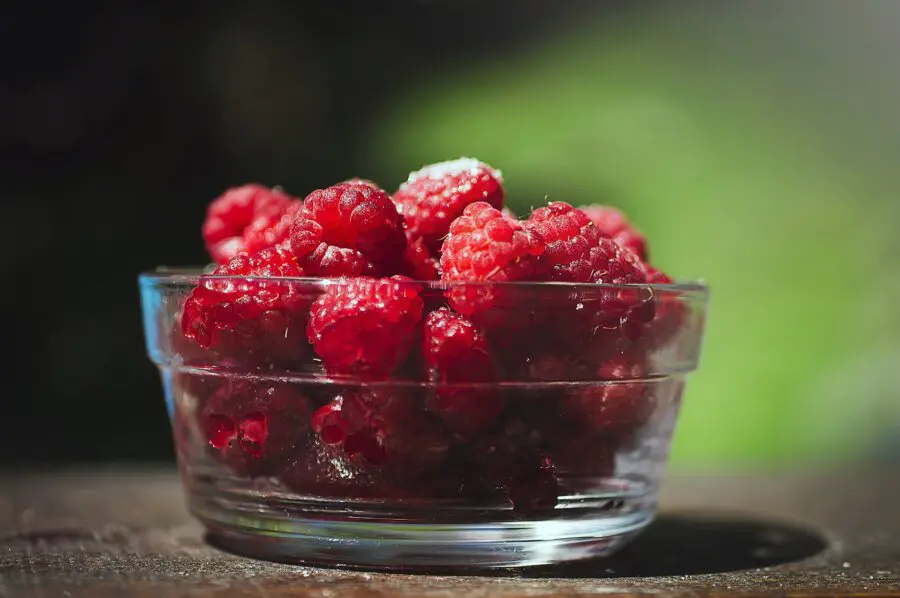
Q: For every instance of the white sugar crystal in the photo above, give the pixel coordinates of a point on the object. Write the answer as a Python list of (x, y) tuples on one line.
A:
[(453, 167)]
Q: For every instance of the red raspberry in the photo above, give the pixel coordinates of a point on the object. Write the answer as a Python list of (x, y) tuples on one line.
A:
[(348, 229), (329, 423), (365, 326), (510, 464), (434, 196), (670, 312), (485, 246), (327, 471), (255, 425), (617, 265), (552, 365), (259, 321), (272, 229), (616, 407), (574, 251), (611, 316), (655, 276), (456, 353), (382, 427), (584, 455), (535, 489), (421, 264), (614, 225), (232, 212)]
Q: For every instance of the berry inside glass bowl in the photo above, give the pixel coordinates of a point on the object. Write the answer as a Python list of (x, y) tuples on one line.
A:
[(333, 405)]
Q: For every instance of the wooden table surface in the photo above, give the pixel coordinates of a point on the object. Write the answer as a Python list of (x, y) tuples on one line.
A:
[(120, 531)]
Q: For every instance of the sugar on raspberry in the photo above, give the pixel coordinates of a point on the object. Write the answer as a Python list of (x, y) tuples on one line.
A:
[(614, 225), (231, 213), (365, 326), (348, 229), (433, 196)]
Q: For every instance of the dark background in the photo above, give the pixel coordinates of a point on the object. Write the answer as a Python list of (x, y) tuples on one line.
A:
[(119, 122)]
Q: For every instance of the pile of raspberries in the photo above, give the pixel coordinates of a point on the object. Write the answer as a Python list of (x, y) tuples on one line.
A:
[(406, 291)]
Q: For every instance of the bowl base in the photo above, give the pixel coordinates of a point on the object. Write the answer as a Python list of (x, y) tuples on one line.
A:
[(293, 536)]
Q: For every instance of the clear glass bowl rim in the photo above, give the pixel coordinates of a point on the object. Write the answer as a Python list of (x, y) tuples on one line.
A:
[(698, 290)]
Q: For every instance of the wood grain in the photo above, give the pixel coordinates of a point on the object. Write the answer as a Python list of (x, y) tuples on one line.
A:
[(118, 531)]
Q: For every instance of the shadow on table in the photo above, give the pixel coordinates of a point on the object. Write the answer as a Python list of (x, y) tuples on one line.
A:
[(693, 544)]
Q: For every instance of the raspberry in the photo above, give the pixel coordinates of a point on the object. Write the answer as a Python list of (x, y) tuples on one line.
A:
[(573, 251), (611, 316), (185, 347), (365, 326), (535, 489), (552, 366), (670, 312), (614, 225), (485, 246), (434, 196), (381, 427), (348, 229), (329, 423), (327, 471), (655, 276), (510, 464), (255, 425), (584, 456), (456, 353), (272, 229), (616, 407), (421, 264), (232, 212), (256, 320)]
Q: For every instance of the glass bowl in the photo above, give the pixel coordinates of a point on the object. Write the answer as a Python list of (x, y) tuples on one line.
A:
[(542, 440)]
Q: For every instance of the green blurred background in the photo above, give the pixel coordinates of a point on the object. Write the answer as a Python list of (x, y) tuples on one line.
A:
[(755, 143), (739, 137)]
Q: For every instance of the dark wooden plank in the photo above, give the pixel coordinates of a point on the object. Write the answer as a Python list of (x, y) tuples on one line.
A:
[(123, 532)]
